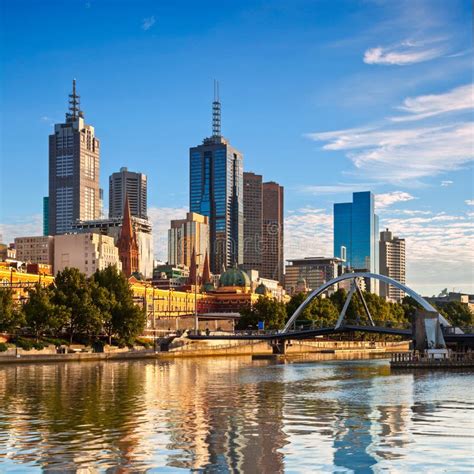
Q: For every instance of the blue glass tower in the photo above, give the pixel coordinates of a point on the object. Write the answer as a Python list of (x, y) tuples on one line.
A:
[(216, 191), (356, 230)]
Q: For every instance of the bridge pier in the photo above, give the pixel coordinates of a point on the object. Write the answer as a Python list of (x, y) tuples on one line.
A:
[(279, 346)]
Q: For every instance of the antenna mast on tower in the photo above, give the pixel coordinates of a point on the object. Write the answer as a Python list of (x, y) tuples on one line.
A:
[(74, 104), (216, 112)]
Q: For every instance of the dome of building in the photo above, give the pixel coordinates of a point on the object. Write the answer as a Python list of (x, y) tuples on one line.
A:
[(261, 289), (234, 277)]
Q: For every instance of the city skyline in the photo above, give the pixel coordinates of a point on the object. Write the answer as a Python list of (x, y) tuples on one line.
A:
[(431, 209)]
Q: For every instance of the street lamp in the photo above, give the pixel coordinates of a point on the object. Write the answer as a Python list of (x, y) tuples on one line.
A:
[(196, 322)]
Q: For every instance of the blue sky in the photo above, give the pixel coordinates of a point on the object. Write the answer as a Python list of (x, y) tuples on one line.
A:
[(325, 97)]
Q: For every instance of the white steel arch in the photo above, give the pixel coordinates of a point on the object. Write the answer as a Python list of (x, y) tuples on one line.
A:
[(354, 276)]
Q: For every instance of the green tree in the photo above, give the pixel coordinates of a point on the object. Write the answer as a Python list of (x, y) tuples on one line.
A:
[(10, 317), (120, 315), (73, 291), (294, 303), (41, 314), (457, 313), (268, 310), (323, 312)]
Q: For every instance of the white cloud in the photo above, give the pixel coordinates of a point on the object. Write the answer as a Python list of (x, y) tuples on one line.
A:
[(160, 218), (333, 189), (402, 56), (21, 227), (469, 202), (458, 99), (445, 183), (147, 23), (385, 200), (387, 152)]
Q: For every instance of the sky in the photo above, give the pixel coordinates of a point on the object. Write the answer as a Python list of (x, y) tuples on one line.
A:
[(325, 97)]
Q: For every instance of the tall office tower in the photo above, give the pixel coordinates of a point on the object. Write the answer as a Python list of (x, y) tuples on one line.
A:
[(45, 215), (73, 170), (216, 191), (127, 183), (188, 235), (392, 264), (272, 234), (356, 234), (253, 221)]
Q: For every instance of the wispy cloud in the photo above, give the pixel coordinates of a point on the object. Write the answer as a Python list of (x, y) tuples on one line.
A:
[(147, 23), (385, 200), (458, 99), (21, 227), (333, 188), (445, 183), (405, 53), (390, 153), (469, 202)]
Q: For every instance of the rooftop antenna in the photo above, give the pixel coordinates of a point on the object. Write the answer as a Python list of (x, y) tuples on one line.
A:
[(216, 112), (74, 104)]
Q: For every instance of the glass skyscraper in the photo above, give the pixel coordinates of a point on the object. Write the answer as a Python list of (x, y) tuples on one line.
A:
[(356, 231), (216, 191)]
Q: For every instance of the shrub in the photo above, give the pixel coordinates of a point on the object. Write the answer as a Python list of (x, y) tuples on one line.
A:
[(3, 347), (140, 341), (25, 344)]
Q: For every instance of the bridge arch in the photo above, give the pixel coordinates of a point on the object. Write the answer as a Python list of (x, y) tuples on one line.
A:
[(353, 276)]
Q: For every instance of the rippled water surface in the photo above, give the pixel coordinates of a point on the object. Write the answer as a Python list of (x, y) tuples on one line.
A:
[(234, 415)]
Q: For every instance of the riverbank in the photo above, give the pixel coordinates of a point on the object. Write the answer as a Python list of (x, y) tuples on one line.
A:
[(209, 349)]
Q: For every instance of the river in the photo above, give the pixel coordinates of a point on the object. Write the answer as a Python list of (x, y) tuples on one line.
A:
[(234, 415)]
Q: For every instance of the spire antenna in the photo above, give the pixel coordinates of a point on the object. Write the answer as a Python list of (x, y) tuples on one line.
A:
[(216, 112), (74, 104)]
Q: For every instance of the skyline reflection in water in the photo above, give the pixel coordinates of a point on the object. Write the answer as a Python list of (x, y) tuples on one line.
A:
[(234, 415)]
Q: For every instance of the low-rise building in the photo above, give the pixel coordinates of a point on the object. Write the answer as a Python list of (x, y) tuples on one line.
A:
[(87, 252), (35, 249)]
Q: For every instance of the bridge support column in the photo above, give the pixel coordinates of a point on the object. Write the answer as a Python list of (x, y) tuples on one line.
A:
[(278, 346)]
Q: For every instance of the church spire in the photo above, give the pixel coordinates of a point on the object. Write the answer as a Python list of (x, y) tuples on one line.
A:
[(206, 271), (127, 242)]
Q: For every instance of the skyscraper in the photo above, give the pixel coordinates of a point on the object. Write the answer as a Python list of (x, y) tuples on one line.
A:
[(272, 234), (263, 227), (356, 233), (216, 191), (73, 170), (188, 235), (131, 184), (392, 264), (253, 220)]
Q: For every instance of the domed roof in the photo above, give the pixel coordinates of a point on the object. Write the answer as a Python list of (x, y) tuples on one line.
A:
[(234, 277), (261, 289)]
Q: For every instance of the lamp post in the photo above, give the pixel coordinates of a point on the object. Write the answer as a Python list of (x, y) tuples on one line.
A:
[(196, 322)]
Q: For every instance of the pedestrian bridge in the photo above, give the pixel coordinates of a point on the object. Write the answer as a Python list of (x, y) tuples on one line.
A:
[(294, 331)]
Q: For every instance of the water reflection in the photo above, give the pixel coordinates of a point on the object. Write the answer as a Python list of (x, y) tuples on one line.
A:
[(232, 415)]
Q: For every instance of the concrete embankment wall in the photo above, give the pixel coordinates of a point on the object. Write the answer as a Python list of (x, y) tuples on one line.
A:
[(207, 349)]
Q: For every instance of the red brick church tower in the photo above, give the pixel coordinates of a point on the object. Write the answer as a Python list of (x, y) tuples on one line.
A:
[(127, 243)]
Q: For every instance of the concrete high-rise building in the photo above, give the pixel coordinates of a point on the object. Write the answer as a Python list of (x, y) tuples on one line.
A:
[(313, 271), (356, 234), (216, 191), (272, 234), (37, 249), (87, 252), (186, 235), (73, 171), (128, 183), (263, 227), (253, 221), (392, 264)]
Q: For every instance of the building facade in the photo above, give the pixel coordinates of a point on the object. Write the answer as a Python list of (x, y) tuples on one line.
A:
[(74, 191), (216, 191), (46, 215), (272, 233), (310, 272), (263, 227), (131, 184), (392, 264), (186, 235), (253, 220), (87, 252), (112, 227), (356, 234), (36, 249)]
